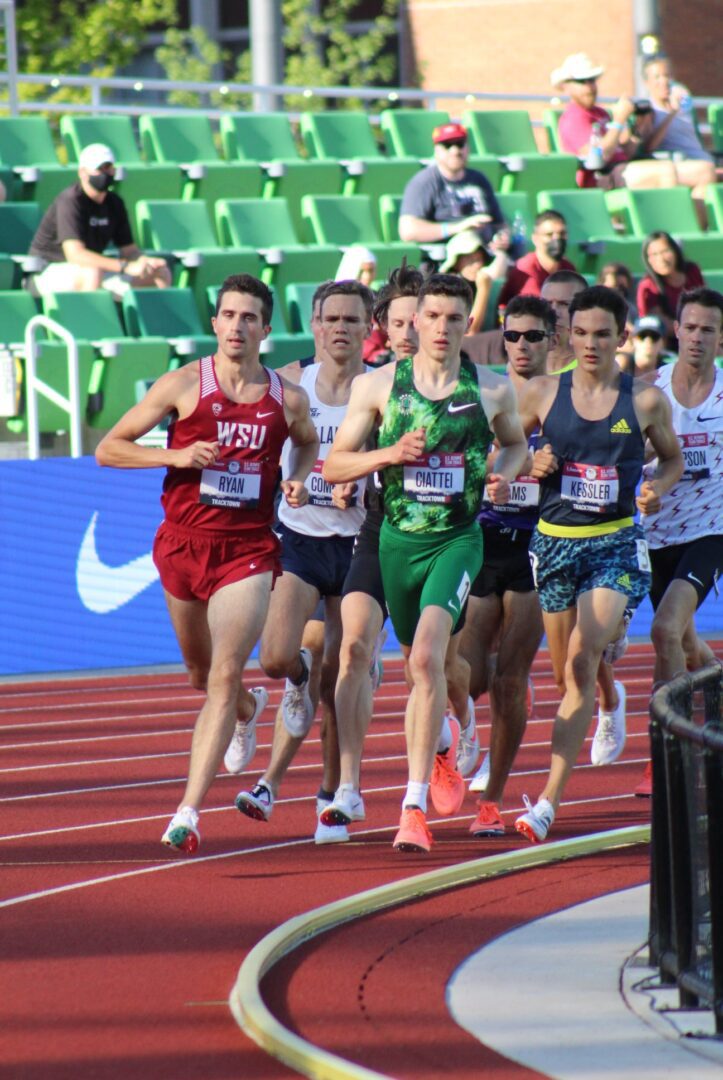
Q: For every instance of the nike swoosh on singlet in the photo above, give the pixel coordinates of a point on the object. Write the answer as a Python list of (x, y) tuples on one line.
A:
[(459, 408), (694, 578), (261, 415), (103, 588), (702, 419)]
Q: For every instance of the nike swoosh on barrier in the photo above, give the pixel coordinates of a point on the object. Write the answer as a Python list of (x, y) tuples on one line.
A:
[(459, 408), (104, 588)]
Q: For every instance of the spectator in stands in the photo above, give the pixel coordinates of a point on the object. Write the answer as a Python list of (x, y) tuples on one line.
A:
[(621, 162), (668, 276), (358, 263), (674, 131), (466, 256), (80, 223), (648, 340), (618, 276), (447, 198), (549, 239)]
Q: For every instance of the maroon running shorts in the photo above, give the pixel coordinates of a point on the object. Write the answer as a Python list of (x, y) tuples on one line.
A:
[(193, 564)]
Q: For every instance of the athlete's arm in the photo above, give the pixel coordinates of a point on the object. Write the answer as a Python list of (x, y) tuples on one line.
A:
[(656, 421), (535, 399), (500, 404), (176, 391), (347, 460), (304, 444)]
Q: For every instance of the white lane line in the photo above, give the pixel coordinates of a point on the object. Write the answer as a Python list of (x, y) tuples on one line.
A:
[(120, 718), (97, 738), (275, 846)]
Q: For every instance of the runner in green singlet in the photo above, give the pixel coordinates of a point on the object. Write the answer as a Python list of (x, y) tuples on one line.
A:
[(436, 414)]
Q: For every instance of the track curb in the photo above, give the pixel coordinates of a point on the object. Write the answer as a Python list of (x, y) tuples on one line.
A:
[(245, 1000)]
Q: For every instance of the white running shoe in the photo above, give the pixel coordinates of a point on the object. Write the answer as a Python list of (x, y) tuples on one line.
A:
[(346, 806), (468, 750), (609, 739), (297, 709), (328, 834), (376, 666), (536, 822), (617, 649), (481, 778), (257, 803), (182, 832), (241, 749)]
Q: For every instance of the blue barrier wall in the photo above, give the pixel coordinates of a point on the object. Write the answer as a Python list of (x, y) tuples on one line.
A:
[(78, 589)]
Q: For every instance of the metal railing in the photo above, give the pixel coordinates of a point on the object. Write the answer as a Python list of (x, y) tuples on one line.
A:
[(686, 909), (36, 387)]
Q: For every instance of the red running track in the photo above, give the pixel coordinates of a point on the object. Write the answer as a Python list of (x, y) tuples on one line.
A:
[(119, 955)]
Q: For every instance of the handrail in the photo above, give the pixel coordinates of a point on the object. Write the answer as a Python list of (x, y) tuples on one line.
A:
[(35, 386)]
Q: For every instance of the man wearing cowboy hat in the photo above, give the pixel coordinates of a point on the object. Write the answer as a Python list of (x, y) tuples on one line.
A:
[(80, 223), (447, 198), (577, 77)]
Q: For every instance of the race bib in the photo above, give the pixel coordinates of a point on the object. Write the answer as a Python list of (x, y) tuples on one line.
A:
[(695, 456), (319, 490), (590, 488), (435, 478), (524, 495), (232, 484)]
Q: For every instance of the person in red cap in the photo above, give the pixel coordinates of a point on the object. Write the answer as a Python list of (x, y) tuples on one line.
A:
[(446, 197)]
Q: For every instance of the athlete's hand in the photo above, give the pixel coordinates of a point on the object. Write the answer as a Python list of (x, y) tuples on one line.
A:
[(295, 493), (498, 488), (544, 462), (648, 500), (409, 448), (196, 456), (342, 495)]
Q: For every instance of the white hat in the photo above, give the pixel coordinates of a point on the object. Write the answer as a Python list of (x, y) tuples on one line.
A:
[(574, 67), (462, 243), (95, 155)]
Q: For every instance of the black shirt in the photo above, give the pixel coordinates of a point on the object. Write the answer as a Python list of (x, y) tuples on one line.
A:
[(73, 216)]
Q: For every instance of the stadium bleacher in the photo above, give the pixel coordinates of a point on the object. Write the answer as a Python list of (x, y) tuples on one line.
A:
[(257, 193)]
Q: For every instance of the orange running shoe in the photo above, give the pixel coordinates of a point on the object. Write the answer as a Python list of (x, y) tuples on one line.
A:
[(413, 833), (488, 821), (447, 785), (644, 790)]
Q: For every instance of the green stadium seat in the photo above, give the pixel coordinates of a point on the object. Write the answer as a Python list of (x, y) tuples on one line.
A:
[(542, 172), (377, 177), (312, 264), (500, 131), (115, 131), (258, 137), (52, 369), (257, 223), (169, 313), (299, 295), (408, 132), (178, 138), (88, 316), (714, 279), (715, 119), (9, 272), (714, 204), (27, 147), (291, 180), (513, 203), (18, 223), (341, 219), (215, 267), (389, 207), (551, 120), (137, 182), (646, 210), (592, 238), (339, 135), (705, 249), (17, 308), (225, 180), (490, 165), (175, 225)]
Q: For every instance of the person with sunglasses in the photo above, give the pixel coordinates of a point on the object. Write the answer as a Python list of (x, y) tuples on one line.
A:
[(622, 160), (589, 557), (447, 198)]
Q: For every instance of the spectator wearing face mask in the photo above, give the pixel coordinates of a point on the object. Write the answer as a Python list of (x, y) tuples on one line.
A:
[(527, 276), (78, 226)]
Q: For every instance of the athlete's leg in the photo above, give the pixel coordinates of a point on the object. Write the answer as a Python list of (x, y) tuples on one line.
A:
[(457, 674), (429, 693), (609, 696), (479, 634), (598, 613), (362, 620), (698, 652), (236, 615), (190, 624), (673, 615), (329, 675), (519, 640)]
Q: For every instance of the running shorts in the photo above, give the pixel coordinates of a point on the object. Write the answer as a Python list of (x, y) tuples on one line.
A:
[(506, 566), (424, 569), (320, 561), (365, 572), (194, 564), (700, 562), (565, 567)]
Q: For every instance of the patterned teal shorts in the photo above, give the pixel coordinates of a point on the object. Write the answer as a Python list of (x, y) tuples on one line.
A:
[(564, 567)]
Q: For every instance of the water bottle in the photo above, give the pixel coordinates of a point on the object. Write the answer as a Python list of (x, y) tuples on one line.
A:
[(594, 159), (685, 101), (518, 243)]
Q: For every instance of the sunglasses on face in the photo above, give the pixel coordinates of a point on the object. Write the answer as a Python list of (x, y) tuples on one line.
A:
[(584, 81), (461, 143), (533, 336)]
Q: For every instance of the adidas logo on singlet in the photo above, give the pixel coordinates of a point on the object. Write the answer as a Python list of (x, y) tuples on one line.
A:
[(621, 428)]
